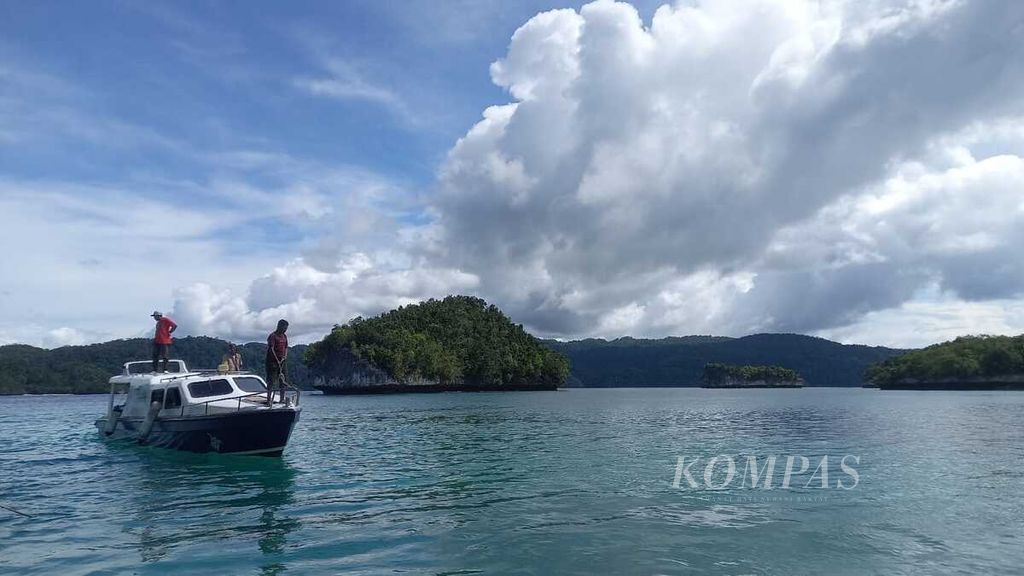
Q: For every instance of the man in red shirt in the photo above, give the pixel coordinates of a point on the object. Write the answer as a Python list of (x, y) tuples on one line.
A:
[(277, 353), (162, 340)]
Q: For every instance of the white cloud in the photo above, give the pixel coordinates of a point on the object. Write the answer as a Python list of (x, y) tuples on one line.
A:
[(954, 230), (345, 82), (351, 88), (785, 166), (718, 171), (849, 169), (65, 336), (310, 299), (99, 259), (921, 323), (44, 336)]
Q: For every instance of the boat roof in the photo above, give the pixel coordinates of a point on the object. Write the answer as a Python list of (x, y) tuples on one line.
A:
[(177, 372), (160, 378)]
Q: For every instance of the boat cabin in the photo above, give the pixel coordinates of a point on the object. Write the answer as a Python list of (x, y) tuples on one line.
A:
[(182, 392)]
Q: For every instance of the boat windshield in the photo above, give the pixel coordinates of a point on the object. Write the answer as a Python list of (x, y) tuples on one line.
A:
[(250, 384), (208, 388)]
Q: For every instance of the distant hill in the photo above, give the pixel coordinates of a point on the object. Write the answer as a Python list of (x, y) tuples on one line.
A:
[(629, 342), (85, 369), (458, 343), (679, 361)]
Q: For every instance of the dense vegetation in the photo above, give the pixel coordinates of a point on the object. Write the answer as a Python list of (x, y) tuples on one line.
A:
[(85, 369), (455, 325), (680, 361), (629, 342), (965, 357), (716, 372), (455, 340)]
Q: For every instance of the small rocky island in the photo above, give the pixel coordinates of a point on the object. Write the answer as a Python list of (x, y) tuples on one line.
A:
[(459, 343), (967, 363), (718, 375)]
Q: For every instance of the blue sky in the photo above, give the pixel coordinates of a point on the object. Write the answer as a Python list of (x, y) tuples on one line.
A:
[(162, 99), (203, 77), (196, 78), (700, 167)]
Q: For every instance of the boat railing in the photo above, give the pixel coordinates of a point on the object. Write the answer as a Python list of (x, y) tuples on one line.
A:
[(211, 371), (206, 372), (291, 398), (179, 367)]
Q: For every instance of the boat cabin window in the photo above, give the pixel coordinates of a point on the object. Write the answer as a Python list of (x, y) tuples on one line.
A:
[(209, 388), (172, 399), (156, 396), (250, 384)]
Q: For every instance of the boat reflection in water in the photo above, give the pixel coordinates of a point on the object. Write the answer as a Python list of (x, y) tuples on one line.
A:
[(232, 507)]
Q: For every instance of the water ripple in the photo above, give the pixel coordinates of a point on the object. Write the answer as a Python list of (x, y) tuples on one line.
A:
[(576, 482)]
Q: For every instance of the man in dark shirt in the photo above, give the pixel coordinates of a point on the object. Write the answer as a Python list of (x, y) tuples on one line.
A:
[(162, 340), (277, 353)]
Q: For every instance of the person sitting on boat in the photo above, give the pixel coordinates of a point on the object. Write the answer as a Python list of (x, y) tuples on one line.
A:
[(232, 361), (277, 353), (162, 340)]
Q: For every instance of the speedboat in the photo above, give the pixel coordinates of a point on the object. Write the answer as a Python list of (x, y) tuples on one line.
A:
[(199, 411)]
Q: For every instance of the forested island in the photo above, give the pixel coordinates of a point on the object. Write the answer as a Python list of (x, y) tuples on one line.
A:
[(86, 369), (967, 363), (458, 343), (680, 361), (718, 375)]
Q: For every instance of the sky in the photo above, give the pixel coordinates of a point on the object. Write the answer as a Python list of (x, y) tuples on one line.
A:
[(847, 169)]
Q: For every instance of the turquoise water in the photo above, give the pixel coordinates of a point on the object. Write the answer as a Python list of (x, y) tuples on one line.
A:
[(570, 482)]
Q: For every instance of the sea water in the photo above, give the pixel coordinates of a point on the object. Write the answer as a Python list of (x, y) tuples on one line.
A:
[(568, 482)]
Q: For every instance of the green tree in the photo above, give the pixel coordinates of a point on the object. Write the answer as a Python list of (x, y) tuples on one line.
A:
[(459, 339), (964, 357)]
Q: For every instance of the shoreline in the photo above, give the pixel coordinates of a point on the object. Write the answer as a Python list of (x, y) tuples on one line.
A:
[(430, 389), (954, 386), (760, 386), (1003, 382)]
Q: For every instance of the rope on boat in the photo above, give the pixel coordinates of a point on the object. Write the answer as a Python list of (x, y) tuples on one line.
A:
[(16, 511)]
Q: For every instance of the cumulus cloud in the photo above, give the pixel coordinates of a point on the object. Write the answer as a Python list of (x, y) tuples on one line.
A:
[(957, 229), (95, 260), (40, 335), (922, 322), (784, 166), (92, 258), (310, 299), (817, 167), (845, 168), (65, 336)]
